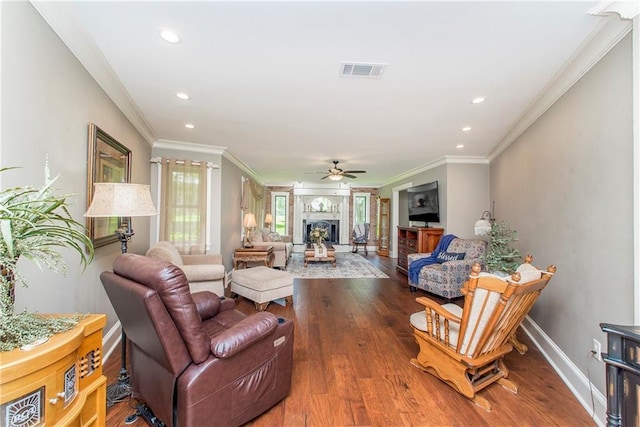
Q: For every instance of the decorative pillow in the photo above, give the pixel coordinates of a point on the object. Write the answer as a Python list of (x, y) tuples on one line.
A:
[(528, 273), (275, 237), (265, 235), (449, 256)]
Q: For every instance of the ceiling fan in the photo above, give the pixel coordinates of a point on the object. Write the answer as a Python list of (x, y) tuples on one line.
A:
[(336, 173)]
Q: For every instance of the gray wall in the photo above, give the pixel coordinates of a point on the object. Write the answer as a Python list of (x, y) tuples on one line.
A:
[(48, 100), (566, 186), (463, 191), (231, 218), (467, 197)]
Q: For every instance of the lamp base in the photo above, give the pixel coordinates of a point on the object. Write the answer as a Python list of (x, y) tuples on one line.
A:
[(120, 391)]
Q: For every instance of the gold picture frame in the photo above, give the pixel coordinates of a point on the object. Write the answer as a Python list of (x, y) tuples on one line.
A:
[(108, 161)]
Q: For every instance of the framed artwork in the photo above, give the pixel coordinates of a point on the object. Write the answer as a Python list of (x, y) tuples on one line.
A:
[(108, 161)]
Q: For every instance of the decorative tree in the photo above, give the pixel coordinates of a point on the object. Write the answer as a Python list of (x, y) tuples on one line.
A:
[(501, 255)]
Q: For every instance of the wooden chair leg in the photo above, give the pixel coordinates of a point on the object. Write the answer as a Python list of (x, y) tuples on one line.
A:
[(261, 306), (520, 347)]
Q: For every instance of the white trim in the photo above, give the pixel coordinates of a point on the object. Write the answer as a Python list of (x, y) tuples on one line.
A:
[(111, 341), (367, 196), (626, 9), (243, 167), (577, 382), (596, 46), (168, 144), (395, 213), (275, 194), (59, 18), (468, 160)]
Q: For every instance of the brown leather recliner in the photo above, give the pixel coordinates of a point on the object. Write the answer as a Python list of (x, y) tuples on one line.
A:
[(195, 360)]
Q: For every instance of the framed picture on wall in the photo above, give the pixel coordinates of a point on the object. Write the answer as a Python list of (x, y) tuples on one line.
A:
[(108, 161)]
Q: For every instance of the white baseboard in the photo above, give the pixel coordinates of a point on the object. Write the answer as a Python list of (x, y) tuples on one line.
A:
[(577, 382), (111, 342)]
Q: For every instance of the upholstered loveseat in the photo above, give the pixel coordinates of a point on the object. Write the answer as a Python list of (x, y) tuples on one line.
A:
[(204, 272), (282, 245), (446, 278)]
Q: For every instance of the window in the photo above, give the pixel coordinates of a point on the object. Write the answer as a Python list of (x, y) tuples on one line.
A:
[(184, 206), (280, 212), (361, 208)]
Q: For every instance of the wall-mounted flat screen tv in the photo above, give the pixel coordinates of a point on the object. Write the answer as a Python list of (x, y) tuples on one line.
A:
[(424, 203)]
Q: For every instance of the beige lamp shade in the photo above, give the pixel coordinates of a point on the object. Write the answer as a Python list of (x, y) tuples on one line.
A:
[(120, 199), (268, 219), (249, 220)]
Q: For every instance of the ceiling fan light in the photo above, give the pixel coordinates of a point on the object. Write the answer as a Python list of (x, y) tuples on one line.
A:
[(335, 177)]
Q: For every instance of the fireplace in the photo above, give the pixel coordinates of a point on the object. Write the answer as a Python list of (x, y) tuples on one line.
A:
[(332, 227)]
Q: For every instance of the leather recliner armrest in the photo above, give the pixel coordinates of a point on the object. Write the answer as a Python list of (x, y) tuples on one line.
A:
[(244, 333)]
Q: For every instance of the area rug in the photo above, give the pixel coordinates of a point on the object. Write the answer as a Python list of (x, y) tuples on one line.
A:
[(348, 265)]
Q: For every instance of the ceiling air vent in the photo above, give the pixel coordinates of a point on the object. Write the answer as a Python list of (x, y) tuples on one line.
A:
[(362, 69)]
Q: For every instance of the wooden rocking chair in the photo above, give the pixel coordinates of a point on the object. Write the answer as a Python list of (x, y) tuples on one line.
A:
[(465, 347)]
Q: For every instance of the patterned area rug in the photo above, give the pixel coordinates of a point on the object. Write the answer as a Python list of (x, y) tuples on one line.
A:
[(348, 265)]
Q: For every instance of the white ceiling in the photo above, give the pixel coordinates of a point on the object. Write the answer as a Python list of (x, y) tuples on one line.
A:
[(264, 76)]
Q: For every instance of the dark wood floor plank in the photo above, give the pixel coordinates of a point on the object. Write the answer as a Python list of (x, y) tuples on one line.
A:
[(352, 346)]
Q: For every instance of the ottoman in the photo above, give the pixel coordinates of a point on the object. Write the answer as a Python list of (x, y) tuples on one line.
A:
[(262, 285)]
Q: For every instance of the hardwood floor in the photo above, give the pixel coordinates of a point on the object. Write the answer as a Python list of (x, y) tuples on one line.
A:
[(352, 348)]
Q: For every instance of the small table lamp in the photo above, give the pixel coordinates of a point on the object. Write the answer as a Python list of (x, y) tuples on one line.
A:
[(121, 200), (268, 219), (248, 223)]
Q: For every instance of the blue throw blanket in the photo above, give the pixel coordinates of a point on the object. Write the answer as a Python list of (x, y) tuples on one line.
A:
[(416, 266)]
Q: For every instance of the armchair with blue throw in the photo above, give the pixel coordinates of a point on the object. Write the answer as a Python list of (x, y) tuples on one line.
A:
[(447, 268)]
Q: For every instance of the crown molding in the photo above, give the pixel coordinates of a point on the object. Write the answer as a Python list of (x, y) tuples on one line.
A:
[(82, 46), (466, 160), (601, 40), (243, 167), (169, 144), (625, 9)]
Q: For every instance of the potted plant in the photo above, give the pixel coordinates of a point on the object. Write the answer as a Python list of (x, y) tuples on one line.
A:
[(33, 224), (502, 258)]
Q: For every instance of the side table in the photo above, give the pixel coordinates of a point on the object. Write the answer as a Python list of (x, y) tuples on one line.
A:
[(243, 256)]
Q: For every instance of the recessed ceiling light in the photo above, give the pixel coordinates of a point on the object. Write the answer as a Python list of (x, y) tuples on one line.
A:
[(183, 95), (466, 129), (459, 146), (169, 36), (478, 100), (189, 126)]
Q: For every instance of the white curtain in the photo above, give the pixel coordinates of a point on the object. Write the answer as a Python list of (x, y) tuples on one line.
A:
[(184, 206)]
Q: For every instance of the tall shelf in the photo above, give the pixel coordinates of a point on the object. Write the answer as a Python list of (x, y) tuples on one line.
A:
[(413, 240), (383, 226)]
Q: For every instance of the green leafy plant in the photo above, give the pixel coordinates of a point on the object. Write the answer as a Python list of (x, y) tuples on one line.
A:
[(501, 255), (34, 224)]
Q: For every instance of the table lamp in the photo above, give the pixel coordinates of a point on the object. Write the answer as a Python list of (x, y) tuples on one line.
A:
[(121, 200), (268, 219), (248, 223)]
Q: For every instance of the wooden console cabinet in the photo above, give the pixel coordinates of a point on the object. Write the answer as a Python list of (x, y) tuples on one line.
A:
[(623, 374), (415, 240), (59, 382)]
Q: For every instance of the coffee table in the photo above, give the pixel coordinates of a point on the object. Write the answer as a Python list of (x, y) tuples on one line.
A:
[(310, 254)]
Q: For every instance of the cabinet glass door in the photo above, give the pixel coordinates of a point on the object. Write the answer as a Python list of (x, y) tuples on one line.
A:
[(383, 226)]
